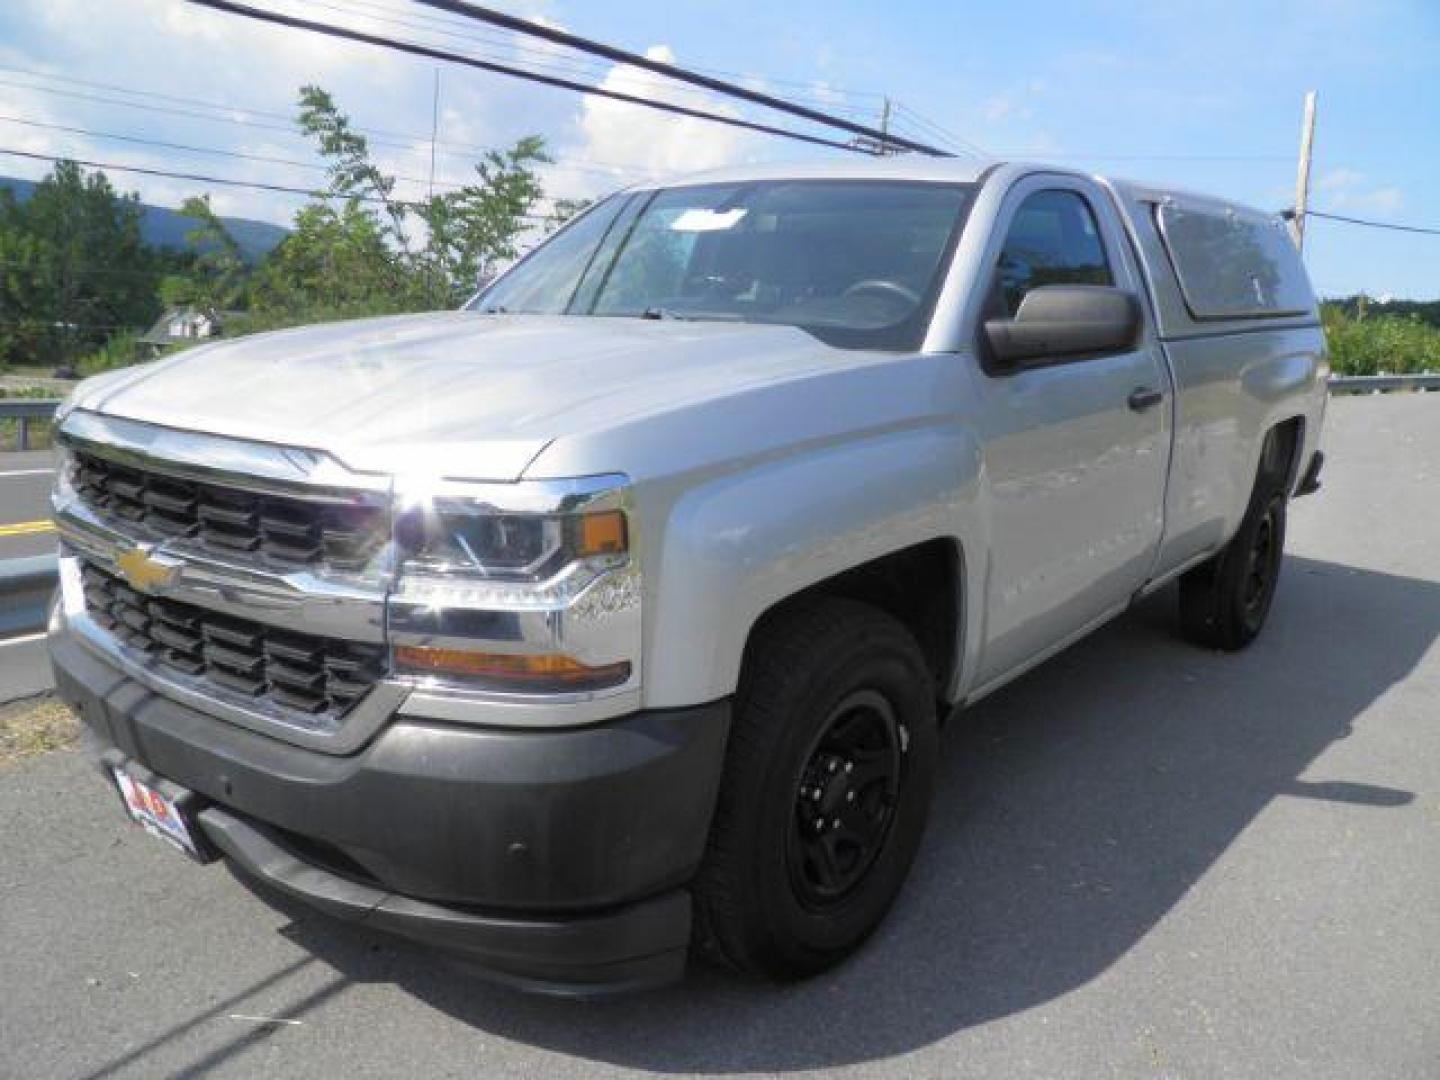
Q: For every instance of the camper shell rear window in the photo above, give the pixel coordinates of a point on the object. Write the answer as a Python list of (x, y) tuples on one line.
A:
[(1233, 265)]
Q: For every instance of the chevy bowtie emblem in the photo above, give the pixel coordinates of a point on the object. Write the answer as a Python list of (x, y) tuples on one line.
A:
[(145, 572)]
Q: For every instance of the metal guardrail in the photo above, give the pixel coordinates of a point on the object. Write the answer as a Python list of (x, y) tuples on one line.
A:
[(25, 588), (26, 584), (1367, 384), (27, 410)]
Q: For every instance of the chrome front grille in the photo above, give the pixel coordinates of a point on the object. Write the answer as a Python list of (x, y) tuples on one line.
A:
[(318, 676), (274, 530)]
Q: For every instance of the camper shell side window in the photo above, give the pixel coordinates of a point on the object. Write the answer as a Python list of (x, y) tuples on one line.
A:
[(1232, 265)]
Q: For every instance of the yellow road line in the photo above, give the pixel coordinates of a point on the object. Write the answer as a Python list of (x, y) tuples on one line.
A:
[(27, 528)]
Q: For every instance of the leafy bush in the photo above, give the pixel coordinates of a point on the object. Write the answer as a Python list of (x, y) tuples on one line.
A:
[(120, 350), (1380, 344)]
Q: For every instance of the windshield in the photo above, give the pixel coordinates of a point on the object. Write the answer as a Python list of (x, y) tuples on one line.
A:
[(857, 263)]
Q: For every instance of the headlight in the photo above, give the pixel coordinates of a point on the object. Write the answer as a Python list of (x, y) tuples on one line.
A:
[(63, 491), (526, 587), (66, 406), (466, 540)]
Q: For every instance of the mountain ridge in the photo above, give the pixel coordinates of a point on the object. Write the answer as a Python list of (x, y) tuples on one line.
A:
[(165, 227)]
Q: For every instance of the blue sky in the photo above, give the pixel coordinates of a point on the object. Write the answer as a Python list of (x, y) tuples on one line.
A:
[(1204, 95)]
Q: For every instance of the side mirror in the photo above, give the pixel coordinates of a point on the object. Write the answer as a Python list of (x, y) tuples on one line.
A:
[(1059, 321)]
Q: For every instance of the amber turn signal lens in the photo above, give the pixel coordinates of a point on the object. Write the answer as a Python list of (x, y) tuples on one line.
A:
[(515, 672), (602, 533)]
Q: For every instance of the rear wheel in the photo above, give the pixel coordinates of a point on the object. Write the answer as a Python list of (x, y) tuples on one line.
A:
[(1224, 602), (827, 786)]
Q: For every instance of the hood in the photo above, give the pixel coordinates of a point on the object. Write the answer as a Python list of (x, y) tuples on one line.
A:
[(469, 395)]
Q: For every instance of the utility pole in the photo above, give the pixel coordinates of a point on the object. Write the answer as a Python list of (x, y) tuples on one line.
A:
[(434, 128), (1302, 178), (430, 198), (880, 145)]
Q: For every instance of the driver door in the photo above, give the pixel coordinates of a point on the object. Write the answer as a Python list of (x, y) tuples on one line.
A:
[(1076, 465)]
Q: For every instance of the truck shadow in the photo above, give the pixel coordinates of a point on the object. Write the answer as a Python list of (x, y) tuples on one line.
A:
[(1076, 808)]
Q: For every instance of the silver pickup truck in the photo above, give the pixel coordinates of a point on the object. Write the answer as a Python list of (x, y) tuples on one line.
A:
[(615, 617)]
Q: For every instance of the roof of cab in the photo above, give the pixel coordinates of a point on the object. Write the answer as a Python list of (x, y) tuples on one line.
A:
[(937, 170), (899, 167)]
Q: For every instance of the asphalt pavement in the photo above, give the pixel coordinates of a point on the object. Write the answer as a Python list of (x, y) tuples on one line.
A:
[(24, 530), (25, 504), (1145, 860)]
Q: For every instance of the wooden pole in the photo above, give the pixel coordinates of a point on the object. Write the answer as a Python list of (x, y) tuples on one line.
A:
[(434, 129), (1302, 178)]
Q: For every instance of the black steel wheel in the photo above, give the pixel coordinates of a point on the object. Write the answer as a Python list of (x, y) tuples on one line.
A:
[(1224, 602), (1262, 566), (826, 788), (845, 799)]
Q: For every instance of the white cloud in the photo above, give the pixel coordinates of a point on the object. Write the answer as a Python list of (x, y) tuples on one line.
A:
[(996, 109), (1341, 189), (645, 141), (168, 47), (1338, 180)]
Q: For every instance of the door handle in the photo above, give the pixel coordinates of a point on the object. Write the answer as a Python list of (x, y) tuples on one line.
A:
[(1144, 397)]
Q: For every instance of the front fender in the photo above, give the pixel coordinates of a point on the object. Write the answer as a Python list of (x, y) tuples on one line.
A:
[(737, 545)]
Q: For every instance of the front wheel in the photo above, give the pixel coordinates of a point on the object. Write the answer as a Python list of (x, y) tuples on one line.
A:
[(826, 789), (1224, 602)]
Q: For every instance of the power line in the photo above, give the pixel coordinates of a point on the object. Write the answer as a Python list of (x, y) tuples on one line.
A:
[(1364, 221), (214, 150), (166, 145), (146, 171), (232, 115), (545, 59), (464, 30), (539, 58), (926, 124), (226, 181), (622, 56), (1082, 155), (429, 53), (454, 26)]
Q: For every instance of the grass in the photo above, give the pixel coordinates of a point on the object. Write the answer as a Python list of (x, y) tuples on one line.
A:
[(39, 438), (35, 726), (37, 372)]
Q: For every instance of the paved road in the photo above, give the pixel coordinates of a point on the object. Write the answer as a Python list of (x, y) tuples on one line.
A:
[(25, 504), (1146, 861), (24, 530)]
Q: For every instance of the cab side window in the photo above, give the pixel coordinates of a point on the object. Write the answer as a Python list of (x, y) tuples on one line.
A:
[(1053, 240)]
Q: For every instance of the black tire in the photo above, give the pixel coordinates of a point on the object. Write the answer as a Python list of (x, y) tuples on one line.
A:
[(827, 684), (1224, 601)]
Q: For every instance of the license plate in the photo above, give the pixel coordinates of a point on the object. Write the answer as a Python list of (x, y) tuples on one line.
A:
[(158, 813)]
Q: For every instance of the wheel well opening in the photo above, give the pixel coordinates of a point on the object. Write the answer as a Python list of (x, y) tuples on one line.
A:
[(918, 586), (1280, 456)]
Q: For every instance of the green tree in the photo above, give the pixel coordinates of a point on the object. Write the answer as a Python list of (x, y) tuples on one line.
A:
[(335, 263), (218, 274), (424, 254), (75, 267)]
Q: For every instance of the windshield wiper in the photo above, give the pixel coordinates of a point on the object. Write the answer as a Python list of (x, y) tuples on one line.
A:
[(664, 313)]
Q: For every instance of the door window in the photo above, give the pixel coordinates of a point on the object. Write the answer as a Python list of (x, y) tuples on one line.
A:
[(1053, 240)]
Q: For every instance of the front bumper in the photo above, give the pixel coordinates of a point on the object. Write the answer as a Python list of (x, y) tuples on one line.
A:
[(553, 858)]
